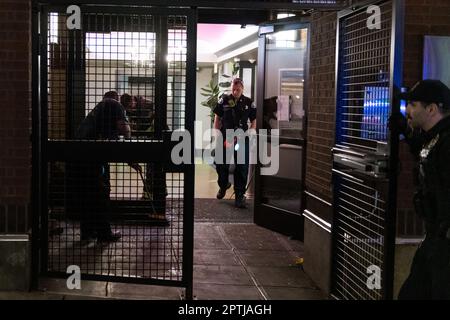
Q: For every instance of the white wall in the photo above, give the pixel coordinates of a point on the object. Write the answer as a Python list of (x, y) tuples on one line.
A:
[(101, 77), (202, 113)]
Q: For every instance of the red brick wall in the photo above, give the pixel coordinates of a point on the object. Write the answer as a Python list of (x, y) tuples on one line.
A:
[(321, 106), (422, 17), (15, 119)]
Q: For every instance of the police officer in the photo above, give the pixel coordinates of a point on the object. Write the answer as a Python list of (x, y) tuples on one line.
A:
[(233, 111), (428, 110)]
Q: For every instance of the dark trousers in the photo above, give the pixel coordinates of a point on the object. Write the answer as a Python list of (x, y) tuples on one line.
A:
[(240, 172), (88, 197), (429, 278)]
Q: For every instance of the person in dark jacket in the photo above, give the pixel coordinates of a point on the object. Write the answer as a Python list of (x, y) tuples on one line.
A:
[(90, 179), (428, 114)]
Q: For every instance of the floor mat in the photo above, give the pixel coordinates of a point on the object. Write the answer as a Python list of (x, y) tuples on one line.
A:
[(208, 210)]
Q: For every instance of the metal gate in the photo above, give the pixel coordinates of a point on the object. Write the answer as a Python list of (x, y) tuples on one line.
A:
[(364, 158), (87, 185)]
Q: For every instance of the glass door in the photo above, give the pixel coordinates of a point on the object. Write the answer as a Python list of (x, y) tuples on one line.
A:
[(283, 52)]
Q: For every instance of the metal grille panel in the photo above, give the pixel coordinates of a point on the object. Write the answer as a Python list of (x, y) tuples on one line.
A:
[(115, 53), (359, 236), (141, 54), (176, 80), (150, 219), (360, 222), (364, 78)]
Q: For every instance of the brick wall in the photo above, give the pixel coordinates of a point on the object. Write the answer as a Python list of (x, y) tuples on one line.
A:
[(321, 106), (422, 17), (15, 119)]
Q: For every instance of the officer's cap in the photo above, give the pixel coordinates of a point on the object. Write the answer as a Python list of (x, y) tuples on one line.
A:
[(429, 91)]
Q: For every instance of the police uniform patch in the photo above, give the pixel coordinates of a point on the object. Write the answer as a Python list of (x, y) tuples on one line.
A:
[(427, 149), (253, 106), (220, 101)]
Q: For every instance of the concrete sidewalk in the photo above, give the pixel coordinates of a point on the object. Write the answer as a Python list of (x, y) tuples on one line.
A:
[(232, 261)]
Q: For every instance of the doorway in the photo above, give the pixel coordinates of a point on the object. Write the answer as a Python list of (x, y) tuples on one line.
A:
[(272, 59), (230, 248), (224, 52)]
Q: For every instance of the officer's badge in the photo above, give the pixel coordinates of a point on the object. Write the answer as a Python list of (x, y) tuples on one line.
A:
[(428, 147)]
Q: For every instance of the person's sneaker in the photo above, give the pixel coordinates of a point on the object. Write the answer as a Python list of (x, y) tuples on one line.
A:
[(222, 191), (239, 202), (111, 237)]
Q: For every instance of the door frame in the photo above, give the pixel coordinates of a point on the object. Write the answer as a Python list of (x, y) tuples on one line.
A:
[(268, 216)]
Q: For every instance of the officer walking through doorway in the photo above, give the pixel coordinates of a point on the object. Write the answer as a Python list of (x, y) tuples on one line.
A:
[(234, 111)]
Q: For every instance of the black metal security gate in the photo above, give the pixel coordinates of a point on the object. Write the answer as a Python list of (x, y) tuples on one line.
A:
[(364, 158), (149, 54)]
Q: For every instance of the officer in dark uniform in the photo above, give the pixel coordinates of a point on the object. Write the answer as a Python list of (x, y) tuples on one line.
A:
[(429, 112), (233, 111)]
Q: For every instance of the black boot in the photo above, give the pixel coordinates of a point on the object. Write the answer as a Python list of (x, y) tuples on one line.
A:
[(239, 202), (222, 191)]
